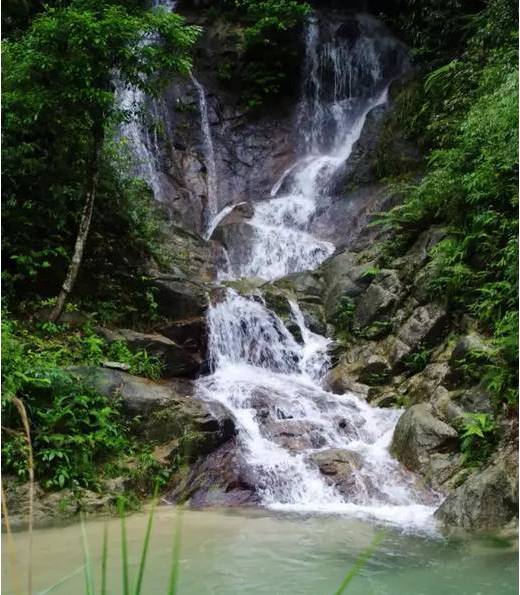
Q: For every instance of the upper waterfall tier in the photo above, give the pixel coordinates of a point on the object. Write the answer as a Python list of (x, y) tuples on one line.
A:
[(348, 68)]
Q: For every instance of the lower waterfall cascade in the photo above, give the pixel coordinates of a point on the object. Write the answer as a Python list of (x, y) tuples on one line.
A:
[(270, 382)]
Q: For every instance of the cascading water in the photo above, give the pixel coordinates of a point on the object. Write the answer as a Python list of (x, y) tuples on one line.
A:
[(142, 139), (270, 381), (209, 156), (345, 78)]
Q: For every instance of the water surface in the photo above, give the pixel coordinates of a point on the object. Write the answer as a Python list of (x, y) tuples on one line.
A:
[(259, 552)]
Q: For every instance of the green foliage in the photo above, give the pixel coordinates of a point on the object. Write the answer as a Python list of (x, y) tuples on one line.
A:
[(269, 47), (418, 360), (478, 437), (469, 121), (141, 364), (58, 100), (344, 318), (74, 430)]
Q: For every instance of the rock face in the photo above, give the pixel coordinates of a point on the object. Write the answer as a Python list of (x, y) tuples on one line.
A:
[(488, 499), (418, 435), (176, 360), (167, 412), (220, 479)]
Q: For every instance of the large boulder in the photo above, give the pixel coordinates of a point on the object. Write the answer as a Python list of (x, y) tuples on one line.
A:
[(220, 479), (421, 387), (175, 359), (179, 298), (488, 499), (424, 328), (378, 300), (343, 277), (164, 412), (340, 468), (418, 436), (190, 334), (294, 434)]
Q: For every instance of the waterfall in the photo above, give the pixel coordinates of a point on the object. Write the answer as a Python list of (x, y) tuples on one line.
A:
[(271, 384), (269, 380), (344, 80), (209, 156), (143, 147), (142, 141)]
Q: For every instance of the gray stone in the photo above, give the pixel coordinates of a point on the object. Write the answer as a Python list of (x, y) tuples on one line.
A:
[(294, 434), (220, 479), (179, 298), (165, 411), (488, 499), (378, 300), (418, 435), (373, 371), (424, 327), (176, 361)]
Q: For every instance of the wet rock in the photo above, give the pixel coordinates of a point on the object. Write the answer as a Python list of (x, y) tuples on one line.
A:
[(467, 345), (294, 434), (190, 335), (238, 213), (443, 469), (340, 381), (420, 387), (418, 435), (340, 468), (424, 327), (49, 508), (419, 253), (489, 497), (175, 359), (220, 479), (470, 349), (375, 370), (344, 277), (453, 406)]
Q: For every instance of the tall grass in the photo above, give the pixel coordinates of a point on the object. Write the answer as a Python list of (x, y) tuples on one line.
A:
[(126, 579)]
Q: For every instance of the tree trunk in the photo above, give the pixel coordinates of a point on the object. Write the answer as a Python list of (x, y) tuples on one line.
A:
[(84, 226)]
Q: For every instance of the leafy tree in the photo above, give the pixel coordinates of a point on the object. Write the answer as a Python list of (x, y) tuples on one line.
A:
[(59, 106)]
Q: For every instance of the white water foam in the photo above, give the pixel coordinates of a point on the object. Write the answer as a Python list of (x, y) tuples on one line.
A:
[(271, 385)]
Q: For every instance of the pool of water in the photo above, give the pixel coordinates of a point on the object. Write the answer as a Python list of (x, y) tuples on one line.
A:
[(258, 552)]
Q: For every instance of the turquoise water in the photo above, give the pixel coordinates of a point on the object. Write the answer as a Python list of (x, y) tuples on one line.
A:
[(256, 552)]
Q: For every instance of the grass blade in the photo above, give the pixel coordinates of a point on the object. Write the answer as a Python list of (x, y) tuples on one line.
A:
[(124, 552), (144, 553), (30, 463), (176, 550), (89, 579), (361, 560), (104, 558), (11, 549)]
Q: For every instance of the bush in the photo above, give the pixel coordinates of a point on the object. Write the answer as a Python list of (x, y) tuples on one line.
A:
[(478, 437), (469, 121), (74, 430)]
